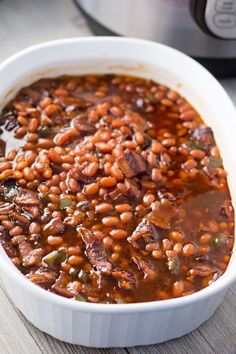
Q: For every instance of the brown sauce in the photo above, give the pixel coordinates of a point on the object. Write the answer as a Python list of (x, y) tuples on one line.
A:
[(112, 190)]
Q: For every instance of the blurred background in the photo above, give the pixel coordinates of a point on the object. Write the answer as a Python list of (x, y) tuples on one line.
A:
[(204, 29), (27, 22), (178, 23)]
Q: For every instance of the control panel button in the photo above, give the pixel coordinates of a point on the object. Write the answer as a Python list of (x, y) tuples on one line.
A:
[(225, 6), (220, 18), (225, 20)]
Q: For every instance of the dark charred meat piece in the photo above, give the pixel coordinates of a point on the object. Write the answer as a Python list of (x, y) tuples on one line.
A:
[(167, 195), (3, 232), (55, 167), (133, 191), (16, 240), (144, 228), (88, 292), (75, 101), (141, 230), (79, 176), (3, 117), (42, 277), (60, 287), (145, 266), (173, 264), (10, 190), (95, 252), (227, 211), (202, 270), (156, 218), (6, 208), (26, 197), (84, 205), (122, 195), (32, 211), (161, 213), (29, 255), (33, 95), (204, 136), (147, 141), (116, 196), (11, 124), (136, 121), (132, 164), (203, 228), (202, 258), (210, 171), (126, 280), (2, 147), (7, 246), (84, 179), (46, 217), (54, 227), (82, 124), (19, 217), (165, 160)]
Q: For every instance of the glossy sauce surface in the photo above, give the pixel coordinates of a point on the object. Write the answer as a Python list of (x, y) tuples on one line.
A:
[(112, 190)]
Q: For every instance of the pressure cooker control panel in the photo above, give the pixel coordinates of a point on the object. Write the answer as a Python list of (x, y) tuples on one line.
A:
[(220, 18)]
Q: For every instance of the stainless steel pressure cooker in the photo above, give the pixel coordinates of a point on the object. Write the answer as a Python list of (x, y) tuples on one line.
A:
[(204, 29)]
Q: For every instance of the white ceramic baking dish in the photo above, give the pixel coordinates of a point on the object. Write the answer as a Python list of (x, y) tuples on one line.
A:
[(105, 325)]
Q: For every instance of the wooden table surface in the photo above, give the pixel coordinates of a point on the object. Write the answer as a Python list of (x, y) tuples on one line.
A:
[(23, 23)]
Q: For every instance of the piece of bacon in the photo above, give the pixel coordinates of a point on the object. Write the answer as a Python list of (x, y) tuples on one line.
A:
[(161, 213), (202, 270), (61, 286), (126, 280), (136, 121), (26, 197), (132, 164), (54, 227), (95, 252), (42, 277), (29, 256), (145, 266)]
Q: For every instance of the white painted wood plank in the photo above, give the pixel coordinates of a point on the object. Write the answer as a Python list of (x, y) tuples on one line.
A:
[(14, 336), (23, 23)]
